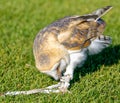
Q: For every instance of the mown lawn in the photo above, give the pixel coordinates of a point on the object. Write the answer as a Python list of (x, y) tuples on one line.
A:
[(98, 81)]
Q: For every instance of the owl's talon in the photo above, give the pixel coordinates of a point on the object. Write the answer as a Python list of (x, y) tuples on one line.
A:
[(64, 83), (64, 90)]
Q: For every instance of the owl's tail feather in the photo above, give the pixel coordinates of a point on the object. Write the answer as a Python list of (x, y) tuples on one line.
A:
[(102, 11), (99, 44)]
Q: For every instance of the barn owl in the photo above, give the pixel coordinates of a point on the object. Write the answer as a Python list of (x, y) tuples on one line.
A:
[(65, 44)]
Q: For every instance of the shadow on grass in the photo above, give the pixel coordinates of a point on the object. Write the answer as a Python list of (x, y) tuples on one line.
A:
[(107, 57)]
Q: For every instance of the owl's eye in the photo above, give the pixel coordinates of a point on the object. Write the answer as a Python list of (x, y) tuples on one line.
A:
[(101, 22)]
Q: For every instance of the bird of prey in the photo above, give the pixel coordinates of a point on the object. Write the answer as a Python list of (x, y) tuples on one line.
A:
[(65, 44)]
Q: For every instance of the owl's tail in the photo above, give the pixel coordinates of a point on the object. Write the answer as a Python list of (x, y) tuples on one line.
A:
[(99, 44), (102, 11)]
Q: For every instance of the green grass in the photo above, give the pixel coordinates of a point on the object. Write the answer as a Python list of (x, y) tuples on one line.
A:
[(98, 81)]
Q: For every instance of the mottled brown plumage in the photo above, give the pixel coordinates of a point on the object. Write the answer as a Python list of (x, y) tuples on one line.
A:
[(70, 33), (53, 45)]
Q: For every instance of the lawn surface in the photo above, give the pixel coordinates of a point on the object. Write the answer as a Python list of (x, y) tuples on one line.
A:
[(98, 81)]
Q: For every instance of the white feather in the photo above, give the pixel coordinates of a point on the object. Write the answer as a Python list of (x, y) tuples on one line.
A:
[(98, 45)]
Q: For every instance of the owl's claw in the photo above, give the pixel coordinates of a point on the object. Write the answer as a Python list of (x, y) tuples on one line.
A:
[(64, 90), (64, 83)]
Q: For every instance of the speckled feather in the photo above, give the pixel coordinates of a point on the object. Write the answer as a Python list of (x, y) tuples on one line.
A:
[(69, 33)]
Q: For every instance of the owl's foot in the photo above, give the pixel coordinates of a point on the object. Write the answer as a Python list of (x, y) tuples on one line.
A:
[(64, 83), (62, 86)]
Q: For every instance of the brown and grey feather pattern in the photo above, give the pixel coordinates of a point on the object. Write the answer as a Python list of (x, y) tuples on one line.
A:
[(69, 33)]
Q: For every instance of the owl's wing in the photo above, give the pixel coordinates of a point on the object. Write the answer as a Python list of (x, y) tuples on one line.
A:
[(80, 29)]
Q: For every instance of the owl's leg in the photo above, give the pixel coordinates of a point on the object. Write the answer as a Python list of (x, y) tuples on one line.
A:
[(56, 73), (76, 58)]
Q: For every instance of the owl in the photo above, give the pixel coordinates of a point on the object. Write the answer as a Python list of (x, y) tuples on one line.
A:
[(65, 44)]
